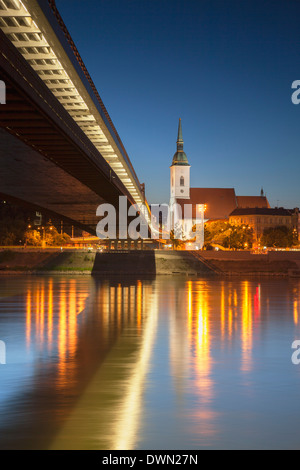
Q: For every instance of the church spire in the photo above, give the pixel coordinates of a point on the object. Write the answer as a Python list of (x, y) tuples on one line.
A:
[(180, 157), (179, 138)]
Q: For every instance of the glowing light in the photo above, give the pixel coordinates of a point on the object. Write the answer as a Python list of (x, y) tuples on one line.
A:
[(72, 316), (223, 310), (257, 303), (139, 303), (50, 314), (296, 316), (28, 318), (42, 314), (62, 337), (246, 329)]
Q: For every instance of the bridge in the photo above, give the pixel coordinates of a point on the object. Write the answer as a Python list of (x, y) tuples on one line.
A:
[(60, 151)]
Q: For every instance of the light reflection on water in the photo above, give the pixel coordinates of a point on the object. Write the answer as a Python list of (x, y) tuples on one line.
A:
[(151, 364)]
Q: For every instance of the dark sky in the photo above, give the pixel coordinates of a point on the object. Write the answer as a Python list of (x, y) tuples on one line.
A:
[(224, 66)]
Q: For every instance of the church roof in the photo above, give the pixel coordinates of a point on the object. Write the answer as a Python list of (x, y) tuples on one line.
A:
[(261, 211), (252, 201), (180, 157), (220, 202)]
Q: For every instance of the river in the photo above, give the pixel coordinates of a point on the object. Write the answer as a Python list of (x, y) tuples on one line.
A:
[(164, 363)]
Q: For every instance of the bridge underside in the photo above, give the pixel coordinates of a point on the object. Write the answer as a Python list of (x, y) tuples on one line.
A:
[(27, 176), (45, 158)]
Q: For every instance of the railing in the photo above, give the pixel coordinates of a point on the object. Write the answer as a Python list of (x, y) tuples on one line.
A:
[(209, 265), (91, 83)]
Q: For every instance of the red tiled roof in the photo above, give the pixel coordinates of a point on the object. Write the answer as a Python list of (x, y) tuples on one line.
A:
[(252, 201), (220, 202)]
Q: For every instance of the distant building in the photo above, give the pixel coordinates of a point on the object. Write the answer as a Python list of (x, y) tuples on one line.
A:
[(219, 202), (296, 221), (261, 219), (253, 201)]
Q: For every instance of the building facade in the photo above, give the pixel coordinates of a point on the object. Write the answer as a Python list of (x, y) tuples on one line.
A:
[(260, 219)]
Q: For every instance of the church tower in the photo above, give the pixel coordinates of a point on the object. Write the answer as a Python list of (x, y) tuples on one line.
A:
[(180, 172)]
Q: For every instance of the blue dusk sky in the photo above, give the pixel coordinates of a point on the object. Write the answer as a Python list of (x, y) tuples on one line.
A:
[(225, 67)]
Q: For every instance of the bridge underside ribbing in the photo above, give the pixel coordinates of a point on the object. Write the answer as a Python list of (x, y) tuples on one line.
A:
[(26, 176), (46, 160)]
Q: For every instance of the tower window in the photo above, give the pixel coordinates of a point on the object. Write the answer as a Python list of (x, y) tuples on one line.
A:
[(182, 181)]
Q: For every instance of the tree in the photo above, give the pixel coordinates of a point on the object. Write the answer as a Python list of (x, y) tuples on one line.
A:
[(12, 226), (215, 232), (15, 228), (240, 237), (176, 242), (280, 236), (33, 238), (48, 234), (227, 235)]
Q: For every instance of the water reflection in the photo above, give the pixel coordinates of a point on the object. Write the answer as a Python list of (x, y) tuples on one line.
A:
[(125, 364), (117, 397), (296, 305)]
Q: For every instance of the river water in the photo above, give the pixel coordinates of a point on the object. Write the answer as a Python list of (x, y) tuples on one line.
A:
[(168, 363)]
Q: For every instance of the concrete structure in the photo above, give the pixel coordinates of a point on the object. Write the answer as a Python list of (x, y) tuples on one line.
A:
[(60, 151)]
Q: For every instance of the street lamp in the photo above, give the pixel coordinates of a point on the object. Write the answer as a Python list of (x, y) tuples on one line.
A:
[(43, 239)]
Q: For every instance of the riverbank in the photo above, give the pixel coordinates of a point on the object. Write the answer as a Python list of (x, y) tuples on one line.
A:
[(149, 263), (274, 263), (144, 263)]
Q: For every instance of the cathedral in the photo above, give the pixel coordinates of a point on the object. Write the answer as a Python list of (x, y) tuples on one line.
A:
[(216, 203)]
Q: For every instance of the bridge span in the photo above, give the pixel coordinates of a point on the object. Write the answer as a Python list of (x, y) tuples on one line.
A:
[(60, 151)]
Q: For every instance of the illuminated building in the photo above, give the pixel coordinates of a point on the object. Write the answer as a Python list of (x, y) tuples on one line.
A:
[(261, 219), (219, 203)]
